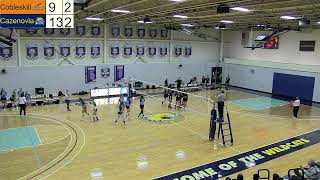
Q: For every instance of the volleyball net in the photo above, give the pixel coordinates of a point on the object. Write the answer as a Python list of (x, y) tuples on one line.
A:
[(194, 98)]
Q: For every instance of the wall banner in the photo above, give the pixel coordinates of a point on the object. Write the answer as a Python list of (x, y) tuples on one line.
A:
[(153, 32), (6, 53), (115, 50), (95, 51), (80, 51), (188, 50), (118, 72), (164, 33), (32, 52), (163, 50), (105, 72), (152, 51), (95, 31), (127, 50), (178, 50), (115, 31), (90, 74), (65, 50), (48, 51), (141, 32), (80, 30), (128, 31), (48, 31), (65, 31), (140, 50)]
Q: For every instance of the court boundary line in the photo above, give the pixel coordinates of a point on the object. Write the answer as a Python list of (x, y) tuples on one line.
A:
[(236, 154), (83, 144), (46, 166), (37, 135), (44, 118)]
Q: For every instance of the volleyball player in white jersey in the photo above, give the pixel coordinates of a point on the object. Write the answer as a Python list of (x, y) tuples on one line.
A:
[(94, 111)]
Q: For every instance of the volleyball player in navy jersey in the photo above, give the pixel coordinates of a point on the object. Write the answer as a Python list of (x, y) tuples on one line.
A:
[(121, 114)]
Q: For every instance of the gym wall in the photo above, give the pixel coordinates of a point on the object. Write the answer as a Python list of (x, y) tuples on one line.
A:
[(254, 69), (54, 74)]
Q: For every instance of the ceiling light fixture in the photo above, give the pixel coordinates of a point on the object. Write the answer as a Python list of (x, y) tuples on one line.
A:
[(94, 19), (318, 22), (187, 25), (241, 9), (142, 22), (227, 21), (180, 16), (119, 11), (289, 17)]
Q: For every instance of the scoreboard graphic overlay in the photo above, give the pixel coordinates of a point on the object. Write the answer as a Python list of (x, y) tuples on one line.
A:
[(36, 14)]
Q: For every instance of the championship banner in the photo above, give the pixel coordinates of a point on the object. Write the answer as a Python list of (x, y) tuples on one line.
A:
[(31, 31), (178, 50), (152, 51), (95, 51), (127, 50), (32, 52), (65, 50), (95, 31), (188, 50), (80, 51), (118, 72), (90, 74), (48, 31), (80, 30), (105, 72), (153, 32), (164, 33), (163, 50), (6, 53), (65, 31), (48, 51), (115, 31), (141, 32), (115, 50), (140, 50), (128, 31)]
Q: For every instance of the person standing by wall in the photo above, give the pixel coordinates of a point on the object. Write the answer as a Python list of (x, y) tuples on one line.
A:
[(166, 83), (227, 82), (179, 82), (220, 100), (3, 95), (20, 92), (22, 102), (68, 96), (296, 106), (13, 98)]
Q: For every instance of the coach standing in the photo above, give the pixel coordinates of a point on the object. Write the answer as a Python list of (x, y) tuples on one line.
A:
[(296, 105), (68, 96), (220, 99), (22, 101)]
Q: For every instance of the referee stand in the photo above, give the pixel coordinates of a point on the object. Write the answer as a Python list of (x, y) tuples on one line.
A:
[(224, 128)]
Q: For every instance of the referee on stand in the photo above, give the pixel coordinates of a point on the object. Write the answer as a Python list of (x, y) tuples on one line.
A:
[(220, 99)]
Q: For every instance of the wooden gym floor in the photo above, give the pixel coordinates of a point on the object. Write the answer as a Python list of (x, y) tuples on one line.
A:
[(72, 147)]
